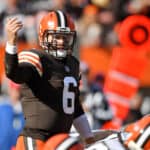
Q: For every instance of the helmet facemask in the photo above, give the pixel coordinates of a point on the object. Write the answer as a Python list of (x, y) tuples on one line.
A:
[(58, 43)]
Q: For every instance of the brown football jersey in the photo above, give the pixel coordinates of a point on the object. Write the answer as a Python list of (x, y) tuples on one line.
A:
[(50, 91)]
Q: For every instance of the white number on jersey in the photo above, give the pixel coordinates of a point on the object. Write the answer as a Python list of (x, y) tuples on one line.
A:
[(69, 96)]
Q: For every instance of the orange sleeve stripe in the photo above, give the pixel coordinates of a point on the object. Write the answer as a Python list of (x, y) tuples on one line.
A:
[(27, 60), (32, 59), (31, 54)]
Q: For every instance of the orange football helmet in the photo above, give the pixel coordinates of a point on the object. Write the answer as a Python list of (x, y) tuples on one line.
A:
[(138, 134), (63, 141), (56, 26)]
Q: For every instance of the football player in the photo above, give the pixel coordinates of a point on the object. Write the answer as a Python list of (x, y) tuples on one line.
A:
[(138, 134), (134, 136), (50, 81)]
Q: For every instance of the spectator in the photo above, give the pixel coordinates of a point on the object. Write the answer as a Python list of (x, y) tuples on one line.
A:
[(96, 105), (135, 109), (75, 8), (11, 116), (18, 118), (6, 121), (89, 29), (12, 8)]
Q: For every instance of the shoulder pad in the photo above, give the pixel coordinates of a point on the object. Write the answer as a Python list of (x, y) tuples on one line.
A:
[(32, 58)]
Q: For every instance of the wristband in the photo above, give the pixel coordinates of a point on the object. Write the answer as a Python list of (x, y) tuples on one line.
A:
[(11, 49)]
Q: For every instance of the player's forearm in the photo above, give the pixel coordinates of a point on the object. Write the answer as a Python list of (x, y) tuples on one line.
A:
[(11, 61), (12, 69), (82, 126)]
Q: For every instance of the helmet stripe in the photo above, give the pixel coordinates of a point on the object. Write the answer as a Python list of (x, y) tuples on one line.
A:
[(62, 19), (144, 137), (58, 18), (66, 21)]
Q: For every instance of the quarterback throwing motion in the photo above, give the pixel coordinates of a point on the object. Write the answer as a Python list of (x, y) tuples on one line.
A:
[(49, 79)]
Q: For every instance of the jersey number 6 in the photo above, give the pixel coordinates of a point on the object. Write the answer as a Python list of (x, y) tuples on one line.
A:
[(69, 96)]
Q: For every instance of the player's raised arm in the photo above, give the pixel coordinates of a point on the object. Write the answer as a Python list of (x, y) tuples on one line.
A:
[(14, 68)]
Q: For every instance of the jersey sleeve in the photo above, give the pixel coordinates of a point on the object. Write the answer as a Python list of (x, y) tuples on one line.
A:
[(23, 66)]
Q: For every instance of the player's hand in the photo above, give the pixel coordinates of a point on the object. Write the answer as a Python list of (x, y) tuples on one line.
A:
[(13, 25)]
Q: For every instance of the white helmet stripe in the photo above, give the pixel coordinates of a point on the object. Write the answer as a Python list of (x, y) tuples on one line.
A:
[(62, 19), (144, 137)]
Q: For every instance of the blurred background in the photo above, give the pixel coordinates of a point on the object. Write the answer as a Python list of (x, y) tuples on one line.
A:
[(113, 46)]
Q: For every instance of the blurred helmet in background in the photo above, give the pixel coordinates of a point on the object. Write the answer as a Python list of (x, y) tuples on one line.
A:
[(138, 137), (63, 141)]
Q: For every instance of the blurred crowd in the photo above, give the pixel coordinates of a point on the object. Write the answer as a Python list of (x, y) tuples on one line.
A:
[(96, 22), (95, 19)]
